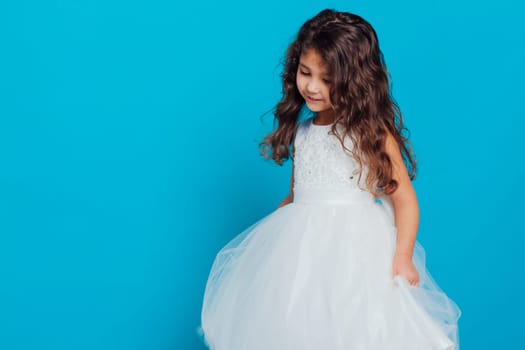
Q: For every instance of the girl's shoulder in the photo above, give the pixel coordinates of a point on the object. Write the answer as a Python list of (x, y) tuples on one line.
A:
[(302, 127), (304, 124)]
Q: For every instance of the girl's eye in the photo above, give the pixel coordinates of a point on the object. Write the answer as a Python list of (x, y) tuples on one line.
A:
[(326, 81)]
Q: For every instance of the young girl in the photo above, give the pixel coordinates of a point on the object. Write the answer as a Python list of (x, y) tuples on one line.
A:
[(337, 264)]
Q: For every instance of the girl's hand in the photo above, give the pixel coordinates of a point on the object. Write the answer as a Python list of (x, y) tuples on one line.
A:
[(286, 201), (403, 265)]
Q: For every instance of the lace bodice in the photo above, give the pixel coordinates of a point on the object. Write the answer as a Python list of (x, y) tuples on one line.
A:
[(320, 161)]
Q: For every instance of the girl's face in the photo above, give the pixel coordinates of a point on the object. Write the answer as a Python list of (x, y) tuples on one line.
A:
[(313, 82)]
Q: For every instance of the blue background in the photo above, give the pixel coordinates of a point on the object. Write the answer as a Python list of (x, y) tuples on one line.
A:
[(128, 157)]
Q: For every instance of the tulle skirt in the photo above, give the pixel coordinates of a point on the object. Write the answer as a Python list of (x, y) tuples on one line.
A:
[(317, 274)]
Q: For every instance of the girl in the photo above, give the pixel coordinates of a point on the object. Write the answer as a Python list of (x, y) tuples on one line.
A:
[(337, 264)]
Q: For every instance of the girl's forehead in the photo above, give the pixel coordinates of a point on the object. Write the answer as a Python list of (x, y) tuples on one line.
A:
[(311, 59)]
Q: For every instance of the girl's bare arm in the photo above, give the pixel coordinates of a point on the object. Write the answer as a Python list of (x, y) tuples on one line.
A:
[(406, 211), (404, 200)]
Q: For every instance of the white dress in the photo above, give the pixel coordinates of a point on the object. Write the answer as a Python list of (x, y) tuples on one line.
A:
[(316, 273)]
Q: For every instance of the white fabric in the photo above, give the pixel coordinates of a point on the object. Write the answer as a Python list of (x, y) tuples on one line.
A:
[(320, 162), (316, 273)]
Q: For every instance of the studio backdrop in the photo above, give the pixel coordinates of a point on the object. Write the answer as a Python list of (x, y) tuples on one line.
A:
[(129, 136)]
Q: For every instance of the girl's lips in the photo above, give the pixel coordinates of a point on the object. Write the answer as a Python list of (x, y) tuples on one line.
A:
[(313, 99)]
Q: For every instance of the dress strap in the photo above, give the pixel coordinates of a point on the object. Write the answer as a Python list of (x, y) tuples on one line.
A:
[(302, 130)]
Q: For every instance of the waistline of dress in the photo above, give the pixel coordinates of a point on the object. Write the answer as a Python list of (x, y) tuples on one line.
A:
[(331, 196)]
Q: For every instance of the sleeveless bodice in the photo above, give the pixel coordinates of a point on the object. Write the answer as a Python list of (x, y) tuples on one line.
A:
[(320, 162)]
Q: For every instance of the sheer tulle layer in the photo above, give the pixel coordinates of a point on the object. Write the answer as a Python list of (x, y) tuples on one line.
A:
[(316, 274)]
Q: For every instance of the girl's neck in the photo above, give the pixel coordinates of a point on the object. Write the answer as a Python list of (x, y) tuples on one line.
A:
[(324, 118)]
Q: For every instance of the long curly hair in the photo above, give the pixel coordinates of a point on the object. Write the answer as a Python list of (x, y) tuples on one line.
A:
[(359, 94)]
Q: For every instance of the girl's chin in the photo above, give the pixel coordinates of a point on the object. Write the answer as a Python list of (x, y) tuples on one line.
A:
[(315, 107)]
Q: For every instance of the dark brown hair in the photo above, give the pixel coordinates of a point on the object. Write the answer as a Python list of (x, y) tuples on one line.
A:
[(359, 93)]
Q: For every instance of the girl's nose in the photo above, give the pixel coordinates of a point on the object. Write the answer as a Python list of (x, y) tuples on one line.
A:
[(312, 87)]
